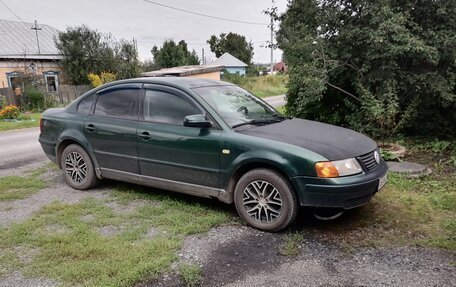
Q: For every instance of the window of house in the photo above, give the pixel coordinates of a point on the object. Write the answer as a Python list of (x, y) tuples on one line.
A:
[(14, 79), (119, 103), (167, 108), (51, 80), (85, 104)]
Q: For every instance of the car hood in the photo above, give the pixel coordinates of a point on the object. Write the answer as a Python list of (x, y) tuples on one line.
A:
[(330, 141)]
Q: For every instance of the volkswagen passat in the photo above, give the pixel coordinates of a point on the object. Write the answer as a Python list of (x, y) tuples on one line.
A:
[(211, 139)]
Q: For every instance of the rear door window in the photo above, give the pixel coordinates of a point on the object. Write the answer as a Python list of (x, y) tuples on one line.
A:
[(85, 104), (119, 103)]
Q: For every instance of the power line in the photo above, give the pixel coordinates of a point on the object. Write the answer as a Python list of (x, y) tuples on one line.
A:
[(205, 15), (1, 1)]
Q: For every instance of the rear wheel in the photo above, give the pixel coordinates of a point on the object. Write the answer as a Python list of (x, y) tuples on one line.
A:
[(265, 200), (78, 168)]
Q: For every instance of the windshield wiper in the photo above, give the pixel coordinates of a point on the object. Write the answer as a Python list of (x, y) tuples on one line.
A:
[(277, 116), (256, 122)]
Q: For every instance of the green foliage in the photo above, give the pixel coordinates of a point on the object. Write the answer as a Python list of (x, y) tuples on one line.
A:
[(19, 187), (33, 99), (148, 65), (143, 243), (381, 67), (234, 44), (436, 146), (174, 55), (191, 274), (86, 51), (22, 123), (387, 155), (263, 86), (3, 102)]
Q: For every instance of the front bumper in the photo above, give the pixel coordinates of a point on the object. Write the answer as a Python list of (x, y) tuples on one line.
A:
[(343, 192)]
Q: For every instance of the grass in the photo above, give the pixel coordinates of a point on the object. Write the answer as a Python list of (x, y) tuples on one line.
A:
[(191, 274), (64, 242), (71, 249), (408, 211), (19, 187), (264, 86), (33, 122), (291, 244)]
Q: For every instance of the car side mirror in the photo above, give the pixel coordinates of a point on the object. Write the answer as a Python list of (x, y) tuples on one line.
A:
[(197, 121)]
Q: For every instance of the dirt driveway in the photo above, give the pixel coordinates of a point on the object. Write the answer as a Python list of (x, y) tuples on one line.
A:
[(231, 254)]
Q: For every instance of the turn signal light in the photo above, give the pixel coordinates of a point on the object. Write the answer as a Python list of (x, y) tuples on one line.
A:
[(326, 169)]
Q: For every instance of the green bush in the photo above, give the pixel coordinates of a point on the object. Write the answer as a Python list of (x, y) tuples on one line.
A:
[(3, 102), (33, 99), (380, 67)]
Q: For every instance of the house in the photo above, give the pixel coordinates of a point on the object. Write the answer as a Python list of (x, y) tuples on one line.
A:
[(231, 64), (211, 72), (280, 67), (24, 50)]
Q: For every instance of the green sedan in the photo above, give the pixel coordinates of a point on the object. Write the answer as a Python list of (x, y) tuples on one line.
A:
[(211, 139)]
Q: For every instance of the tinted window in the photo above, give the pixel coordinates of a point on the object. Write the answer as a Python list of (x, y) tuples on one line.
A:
[(118, 103), (85, 105), (166, 108)]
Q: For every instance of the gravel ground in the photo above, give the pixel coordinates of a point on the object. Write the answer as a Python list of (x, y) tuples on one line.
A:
[(236, 255), (20, 210), (242, 256)]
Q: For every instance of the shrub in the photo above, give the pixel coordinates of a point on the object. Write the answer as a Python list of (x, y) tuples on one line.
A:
[(380, 67), (10, 112), (3, 102), (33, 99), (103, 78)]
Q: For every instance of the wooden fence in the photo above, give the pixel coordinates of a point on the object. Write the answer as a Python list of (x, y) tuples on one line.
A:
[(10, 95), (65, 95)]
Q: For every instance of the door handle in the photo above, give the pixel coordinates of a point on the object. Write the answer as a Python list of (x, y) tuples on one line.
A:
[(90, 128), (144, 135)]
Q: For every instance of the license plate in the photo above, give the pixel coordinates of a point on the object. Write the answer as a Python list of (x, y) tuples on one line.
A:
[(382, 181)]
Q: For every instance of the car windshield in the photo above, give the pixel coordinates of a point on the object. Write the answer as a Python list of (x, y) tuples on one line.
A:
[(237, 106)]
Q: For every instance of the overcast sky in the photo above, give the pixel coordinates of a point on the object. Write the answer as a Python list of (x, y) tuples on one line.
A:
[(151, 24)]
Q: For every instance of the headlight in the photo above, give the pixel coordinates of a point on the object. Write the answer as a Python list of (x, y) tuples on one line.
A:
[(338, 168)]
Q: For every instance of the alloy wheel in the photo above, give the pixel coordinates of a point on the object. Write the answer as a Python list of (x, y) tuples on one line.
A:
[(76, 167), (262, 201)]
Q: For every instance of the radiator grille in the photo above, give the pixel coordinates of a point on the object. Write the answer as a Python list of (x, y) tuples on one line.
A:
[(368, 161)]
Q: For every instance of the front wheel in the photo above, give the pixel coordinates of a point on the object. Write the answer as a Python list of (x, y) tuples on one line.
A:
[(77, 168), (265, 200)]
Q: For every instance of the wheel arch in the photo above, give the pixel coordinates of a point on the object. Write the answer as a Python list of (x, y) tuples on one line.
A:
[(65, 142), (251, 165)]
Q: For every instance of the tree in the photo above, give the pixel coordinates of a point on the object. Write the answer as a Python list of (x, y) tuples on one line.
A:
[(234, 44), (380, 67), (174, 55), (86, 51)]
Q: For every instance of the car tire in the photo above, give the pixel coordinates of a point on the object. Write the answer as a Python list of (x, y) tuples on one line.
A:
[(265, 200), (77, 167)]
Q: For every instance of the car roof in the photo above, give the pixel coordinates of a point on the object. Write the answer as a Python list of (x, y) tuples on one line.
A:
[(183, 82)]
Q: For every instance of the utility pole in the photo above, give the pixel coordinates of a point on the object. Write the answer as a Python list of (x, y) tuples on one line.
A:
[(36, 28), (203, 60), (272, 36)]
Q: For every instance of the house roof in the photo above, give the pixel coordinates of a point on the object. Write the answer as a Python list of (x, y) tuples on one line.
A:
[(18, 41), (184, 71), (228, 60)]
